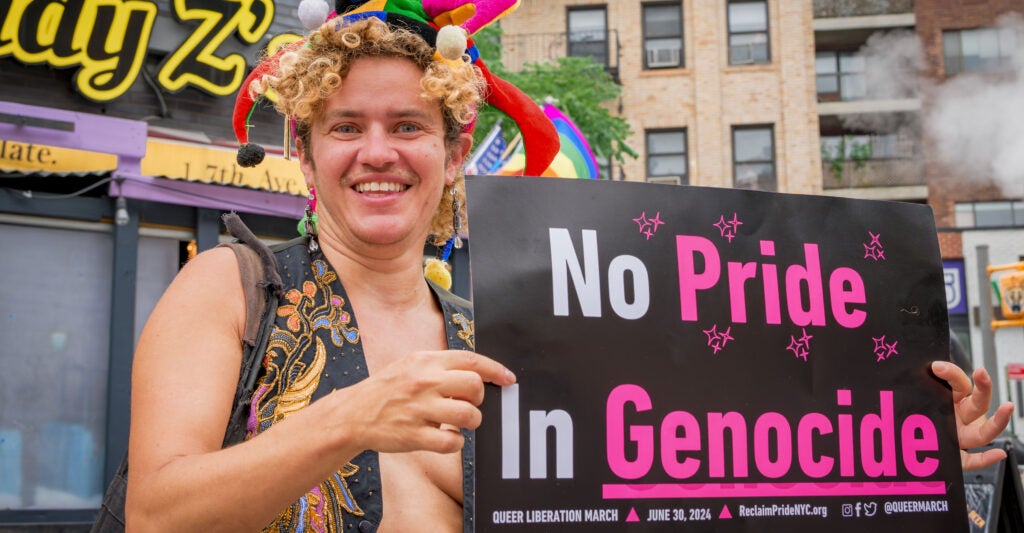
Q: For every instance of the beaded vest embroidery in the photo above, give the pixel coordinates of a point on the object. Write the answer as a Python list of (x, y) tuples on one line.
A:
[(314, 348)]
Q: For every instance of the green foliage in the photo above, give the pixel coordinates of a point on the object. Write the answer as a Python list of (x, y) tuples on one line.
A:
[(582, 89), (836, 158)]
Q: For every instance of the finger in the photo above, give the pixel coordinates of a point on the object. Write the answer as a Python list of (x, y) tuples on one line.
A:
[(462, 385), (956, 378), (455, 413), (974, 461), (439, 440), (981, 397), (489, 370)]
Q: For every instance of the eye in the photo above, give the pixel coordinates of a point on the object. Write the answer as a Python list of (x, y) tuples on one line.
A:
[(408, 127), (345, 129)]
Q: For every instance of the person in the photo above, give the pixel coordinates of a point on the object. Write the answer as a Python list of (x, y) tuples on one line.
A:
[(357, 416)]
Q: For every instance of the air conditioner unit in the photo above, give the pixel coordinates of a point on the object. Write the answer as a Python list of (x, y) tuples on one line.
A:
[(663, 57), (666, 180)]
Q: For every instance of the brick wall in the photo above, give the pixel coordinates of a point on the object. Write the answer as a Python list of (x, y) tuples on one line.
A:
[(707, 96), (932, 17)]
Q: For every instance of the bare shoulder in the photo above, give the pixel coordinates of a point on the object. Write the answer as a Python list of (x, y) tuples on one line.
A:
[(187, 362)]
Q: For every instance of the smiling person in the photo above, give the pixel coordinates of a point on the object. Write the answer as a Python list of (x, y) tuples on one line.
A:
[(368, 386), (360, 401)]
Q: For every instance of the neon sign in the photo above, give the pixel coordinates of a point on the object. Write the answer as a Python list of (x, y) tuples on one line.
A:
[(108, 39)]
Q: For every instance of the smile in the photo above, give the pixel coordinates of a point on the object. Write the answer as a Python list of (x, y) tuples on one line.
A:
[(379, 186)]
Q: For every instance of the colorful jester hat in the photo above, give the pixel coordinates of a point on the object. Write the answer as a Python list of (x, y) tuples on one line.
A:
[(447, 25)]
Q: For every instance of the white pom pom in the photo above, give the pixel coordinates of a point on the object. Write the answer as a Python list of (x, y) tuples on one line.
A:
[(451, 42), (313, 13)]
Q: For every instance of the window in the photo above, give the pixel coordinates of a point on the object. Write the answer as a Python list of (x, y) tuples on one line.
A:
[(840, 75), (663, 35), (748, 33), (753, 155), (989, 214), (875, 146), (666, 156), (53, 389), (978, 49), (588, 33)]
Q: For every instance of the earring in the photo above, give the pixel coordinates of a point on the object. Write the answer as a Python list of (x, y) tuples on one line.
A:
[(456, 220), (308, 223)]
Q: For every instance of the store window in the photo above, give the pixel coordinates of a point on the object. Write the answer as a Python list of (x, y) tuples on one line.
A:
[(663, 35), (840, 76), (55, 292), (978, 49), (753, 152), (748, 33), (588, 33), (666, 156)]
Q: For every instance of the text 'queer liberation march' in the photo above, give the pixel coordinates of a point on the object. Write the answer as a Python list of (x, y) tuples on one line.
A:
[(735, 360)]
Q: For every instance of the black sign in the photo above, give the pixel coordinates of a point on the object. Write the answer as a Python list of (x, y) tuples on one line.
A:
[(729, 360)]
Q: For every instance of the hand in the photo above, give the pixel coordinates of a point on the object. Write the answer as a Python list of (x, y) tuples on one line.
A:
[(972, 426), (420, 401)]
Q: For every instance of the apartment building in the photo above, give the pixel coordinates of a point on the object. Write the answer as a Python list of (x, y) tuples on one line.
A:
[(717, 93)]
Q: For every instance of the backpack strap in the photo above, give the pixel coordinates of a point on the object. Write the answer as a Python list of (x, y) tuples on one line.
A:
[(262, 285)]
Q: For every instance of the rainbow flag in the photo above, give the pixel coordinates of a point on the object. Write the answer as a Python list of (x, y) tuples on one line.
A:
[(574, 158)]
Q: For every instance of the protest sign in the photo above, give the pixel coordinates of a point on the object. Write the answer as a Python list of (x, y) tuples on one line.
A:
[(709, 359)]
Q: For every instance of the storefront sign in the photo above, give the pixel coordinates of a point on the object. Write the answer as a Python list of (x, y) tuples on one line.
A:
[(108, 41), (956, 293), (709, 359), (166, 159), (28, 157), (218, 166)]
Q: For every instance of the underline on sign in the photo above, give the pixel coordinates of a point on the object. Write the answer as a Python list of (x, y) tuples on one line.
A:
[(624, 491)]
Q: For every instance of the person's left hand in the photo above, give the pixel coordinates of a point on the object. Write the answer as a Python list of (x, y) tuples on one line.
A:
[(970, 405)]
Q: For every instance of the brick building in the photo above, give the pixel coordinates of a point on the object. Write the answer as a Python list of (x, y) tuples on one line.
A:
[(717, 94)]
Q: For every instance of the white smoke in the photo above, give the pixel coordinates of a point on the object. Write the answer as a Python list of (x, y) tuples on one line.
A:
[(977, 121), (892, 63)]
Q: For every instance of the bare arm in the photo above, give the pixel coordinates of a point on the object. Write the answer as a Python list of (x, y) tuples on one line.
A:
[(184, 376)]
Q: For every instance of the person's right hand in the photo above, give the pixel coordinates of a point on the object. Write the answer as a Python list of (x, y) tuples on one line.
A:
[(419, 401)]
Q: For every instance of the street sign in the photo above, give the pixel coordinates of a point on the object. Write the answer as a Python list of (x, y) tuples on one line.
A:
[(1015, 371)]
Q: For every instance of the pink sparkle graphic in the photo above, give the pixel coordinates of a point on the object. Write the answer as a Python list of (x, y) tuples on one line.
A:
[(874, 249), (728, 228), (801, 347), (883, 349), (648, 226), (718, 339)]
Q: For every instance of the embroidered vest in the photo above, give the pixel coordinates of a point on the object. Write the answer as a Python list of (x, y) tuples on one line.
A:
[(315, 348)]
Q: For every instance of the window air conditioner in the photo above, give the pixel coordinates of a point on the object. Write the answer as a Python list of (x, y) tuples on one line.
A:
[(667, 180), (662, 57)]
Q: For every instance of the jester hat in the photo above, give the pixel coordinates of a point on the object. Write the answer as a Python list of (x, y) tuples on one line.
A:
[(445, 24)]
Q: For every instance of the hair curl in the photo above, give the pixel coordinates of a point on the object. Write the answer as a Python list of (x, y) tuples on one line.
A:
[(308, 75)]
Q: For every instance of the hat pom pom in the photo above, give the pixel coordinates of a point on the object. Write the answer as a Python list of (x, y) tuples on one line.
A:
[(451, 42), (250, 155), (437, 271), (313, 13)]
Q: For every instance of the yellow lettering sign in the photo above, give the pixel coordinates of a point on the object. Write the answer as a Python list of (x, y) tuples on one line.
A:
[(108, 38), (218, 166), (196, 61)]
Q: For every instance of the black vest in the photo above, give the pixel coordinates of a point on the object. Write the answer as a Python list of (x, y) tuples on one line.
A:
[(315, 348)]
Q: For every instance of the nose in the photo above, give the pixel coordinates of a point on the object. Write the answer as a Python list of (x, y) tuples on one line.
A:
[(377, 150)]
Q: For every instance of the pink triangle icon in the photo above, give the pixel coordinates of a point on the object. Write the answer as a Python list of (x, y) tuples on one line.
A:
[(632, 516), (725, 514)]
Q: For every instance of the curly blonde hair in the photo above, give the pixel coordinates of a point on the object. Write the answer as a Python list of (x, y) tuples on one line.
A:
[(306, 76)]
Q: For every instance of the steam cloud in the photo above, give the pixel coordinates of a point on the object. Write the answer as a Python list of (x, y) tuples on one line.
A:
[(977, 121)]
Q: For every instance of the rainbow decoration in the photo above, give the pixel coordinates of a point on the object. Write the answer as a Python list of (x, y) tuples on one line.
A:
[(574, 158)]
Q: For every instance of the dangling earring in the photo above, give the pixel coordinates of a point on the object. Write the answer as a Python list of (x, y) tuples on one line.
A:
[(308, 223), (456, 220)]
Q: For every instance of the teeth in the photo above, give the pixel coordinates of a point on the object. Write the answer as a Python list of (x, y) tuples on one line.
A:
[(376, 186)]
